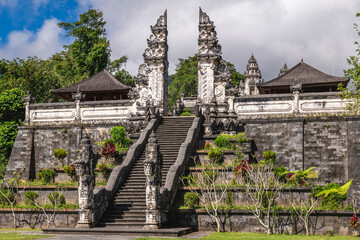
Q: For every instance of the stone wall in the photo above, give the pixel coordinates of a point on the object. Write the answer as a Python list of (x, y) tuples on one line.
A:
[(37, 219), (242, 221), (34, 145), (331, 144)]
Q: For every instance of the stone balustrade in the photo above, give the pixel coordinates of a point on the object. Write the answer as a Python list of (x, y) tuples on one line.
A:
[(79, 112)]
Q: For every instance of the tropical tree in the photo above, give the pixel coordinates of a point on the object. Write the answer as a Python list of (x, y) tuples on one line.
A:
[(352, 92), (90, 49), (186, 76)]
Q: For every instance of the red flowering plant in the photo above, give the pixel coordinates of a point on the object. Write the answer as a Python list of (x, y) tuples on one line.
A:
[(108, 150), (242, 168), (354, 221)]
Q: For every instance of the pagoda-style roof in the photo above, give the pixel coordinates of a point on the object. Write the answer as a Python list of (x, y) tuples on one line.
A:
[(100, 84), (306, 75)]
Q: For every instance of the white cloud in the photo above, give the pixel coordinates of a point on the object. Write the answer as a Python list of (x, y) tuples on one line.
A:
[(42, 43), (276, 31)]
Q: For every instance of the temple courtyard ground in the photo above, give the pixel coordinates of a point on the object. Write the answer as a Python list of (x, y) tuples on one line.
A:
[(12, 234)]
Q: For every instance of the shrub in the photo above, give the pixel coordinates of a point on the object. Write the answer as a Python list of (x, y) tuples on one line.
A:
[(186, 114), (187, 110), (30, 197), (60, 153), (208, 146), (280, 173), (332, 195), (270, 157), (70, 171), (230, 198), (108, 150), (47, 175), (57, 199), (215, 155), (222, 142), (8, 193), (118, 133), (209, 176), (191, 199), (104, 170)]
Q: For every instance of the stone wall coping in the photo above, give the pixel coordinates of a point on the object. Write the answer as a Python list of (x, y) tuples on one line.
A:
[(109, 103), (27, 210), (68, 125), (56, 105), (264, 97), (48, 187), (222, 151), (349, 213), (168, 191), (285, 119), (287, 189)]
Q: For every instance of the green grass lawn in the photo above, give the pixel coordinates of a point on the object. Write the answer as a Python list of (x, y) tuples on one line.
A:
[(16, 236), (245, 236)]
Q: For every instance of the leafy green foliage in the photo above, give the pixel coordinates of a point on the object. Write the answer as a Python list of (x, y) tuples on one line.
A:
[(47, 175), (239, 138), (215, 155), (351, 92), (11, 115), (222, 142), (209, 176), (191, 199), (60, 153), (11, 105), (70, 171), (30, 197), (185, 78), (230, 198), (332, 194), (208, 146), (57, 199), (186, 114), (118, 135), (90, 49), (269, 157), (9, 194), (104, 169)]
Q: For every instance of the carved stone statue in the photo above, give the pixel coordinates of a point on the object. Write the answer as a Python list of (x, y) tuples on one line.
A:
[(84, 168), (152, 170)]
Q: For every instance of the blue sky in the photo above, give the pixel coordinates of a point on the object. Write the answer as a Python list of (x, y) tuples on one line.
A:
[(276, 31), (31, 14)]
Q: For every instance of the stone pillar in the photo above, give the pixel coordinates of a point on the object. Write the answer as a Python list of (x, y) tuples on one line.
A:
[(155, 57), (27, 101), (84, 167), (77, 97), (296, 88), (208, 57), (152, 170)]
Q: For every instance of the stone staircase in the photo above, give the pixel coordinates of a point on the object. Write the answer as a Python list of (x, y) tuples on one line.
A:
[(129, 205)]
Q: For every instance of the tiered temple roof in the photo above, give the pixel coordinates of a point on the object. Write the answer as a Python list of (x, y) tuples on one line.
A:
[(311, 79), (101, 86)]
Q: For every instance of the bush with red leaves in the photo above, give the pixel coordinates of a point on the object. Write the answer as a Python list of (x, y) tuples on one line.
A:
[(109, 150)]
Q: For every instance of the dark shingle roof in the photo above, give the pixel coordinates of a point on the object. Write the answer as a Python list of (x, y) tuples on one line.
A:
[(304, 74), (100, 82)]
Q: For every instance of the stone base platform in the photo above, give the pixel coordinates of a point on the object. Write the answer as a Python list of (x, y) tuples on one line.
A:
[(167, 232)]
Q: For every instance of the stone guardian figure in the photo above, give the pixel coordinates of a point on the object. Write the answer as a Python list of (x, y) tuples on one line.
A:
[(84, 168), (152, 170)]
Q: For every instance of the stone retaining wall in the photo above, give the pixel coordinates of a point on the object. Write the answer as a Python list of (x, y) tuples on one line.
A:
[(243, 221), (37, 219)]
